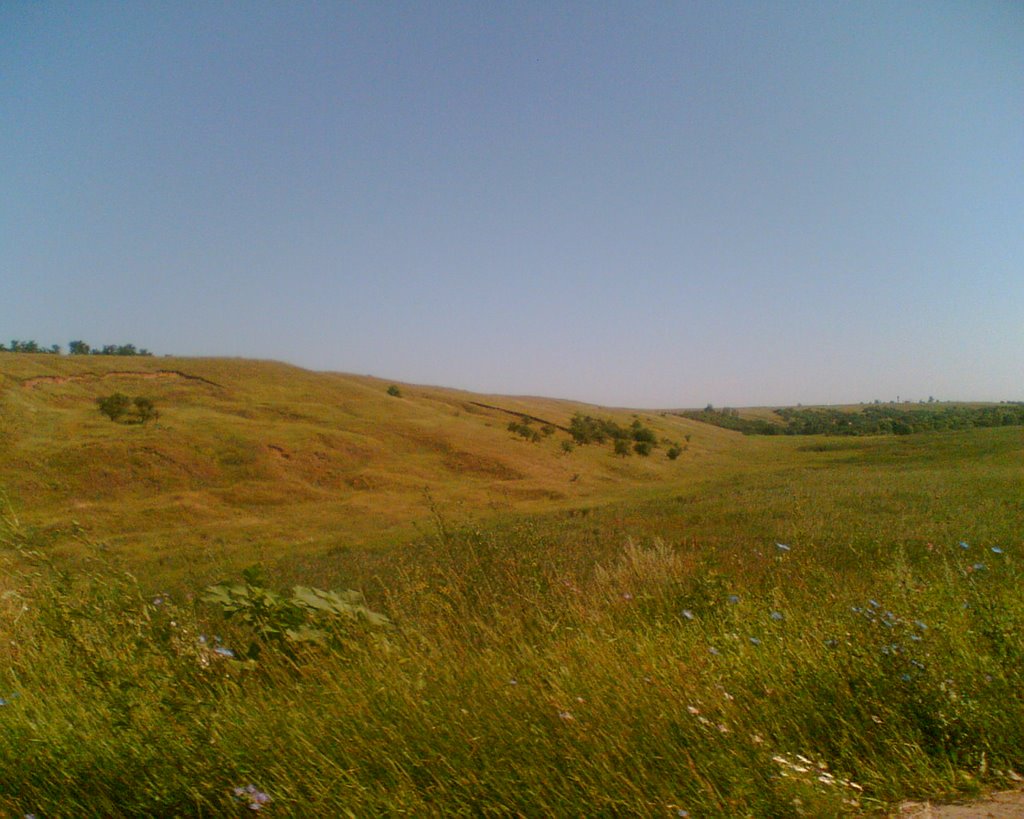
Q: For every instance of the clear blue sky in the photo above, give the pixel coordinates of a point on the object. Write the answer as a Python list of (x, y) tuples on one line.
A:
[(640, 204)]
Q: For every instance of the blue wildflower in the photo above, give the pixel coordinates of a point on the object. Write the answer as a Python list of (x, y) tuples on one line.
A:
[(964, 544), (905, 677), (921, 625), (224, 652), (733, 598), (776, 615), (979, 567), (874, 604), (997, 550), (754, 641), (917, 664), (3, 702)]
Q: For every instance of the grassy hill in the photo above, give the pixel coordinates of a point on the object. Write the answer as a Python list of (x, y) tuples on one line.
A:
[(251, 457), (776, 626)]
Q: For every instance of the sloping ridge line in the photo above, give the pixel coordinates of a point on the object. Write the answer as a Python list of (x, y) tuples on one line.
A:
[(521, 415), (63, 379)]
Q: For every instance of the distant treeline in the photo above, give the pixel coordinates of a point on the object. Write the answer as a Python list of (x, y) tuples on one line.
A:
[(730, 419), (869, 420), (74, 348)]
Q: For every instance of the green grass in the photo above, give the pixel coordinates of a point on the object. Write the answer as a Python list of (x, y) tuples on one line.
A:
[(518, 681), (636, 646)]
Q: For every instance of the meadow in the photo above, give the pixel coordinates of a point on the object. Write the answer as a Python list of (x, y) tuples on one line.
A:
[(797, 626)]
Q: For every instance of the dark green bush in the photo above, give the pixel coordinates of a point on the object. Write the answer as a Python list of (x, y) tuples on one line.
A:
[(642, 434), (523, 429), (114, 406), (120, 407)]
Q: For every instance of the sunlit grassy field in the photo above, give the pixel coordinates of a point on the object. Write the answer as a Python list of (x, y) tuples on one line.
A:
[(765, 627), (258, 460)]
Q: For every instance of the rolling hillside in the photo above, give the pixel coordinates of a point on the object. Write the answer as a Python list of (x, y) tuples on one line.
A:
[(828, 624), (249, 455)]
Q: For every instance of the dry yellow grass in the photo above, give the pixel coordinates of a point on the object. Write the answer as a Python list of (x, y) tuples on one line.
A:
[(252, 457)]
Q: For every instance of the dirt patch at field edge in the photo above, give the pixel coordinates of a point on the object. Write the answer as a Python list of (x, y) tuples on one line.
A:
[(1003, 805)]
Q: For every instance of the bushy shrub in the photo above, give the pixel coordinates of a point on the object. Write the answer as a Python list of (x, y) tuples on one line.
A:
[(114, 406), (585, 429), (120, 407), (523, 429), (642, 434)]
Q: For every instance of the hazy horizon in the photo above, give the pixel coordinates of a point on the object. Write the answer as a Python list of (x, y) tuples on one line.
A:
[(639, 205)]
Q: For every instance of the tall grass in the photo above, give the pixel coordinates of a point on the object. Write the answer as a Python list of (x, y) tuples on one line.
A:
[(525, 677)]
